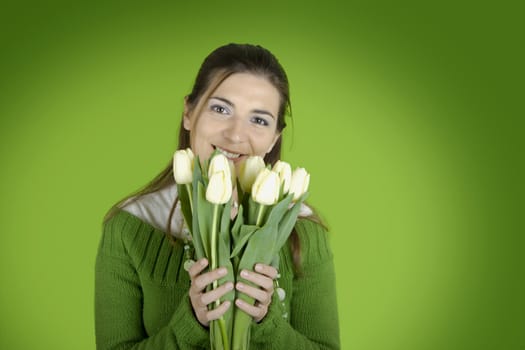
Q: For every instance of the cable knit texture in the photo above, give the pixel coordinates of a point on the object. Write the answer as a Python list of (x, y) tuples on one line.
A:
[(141, 293)]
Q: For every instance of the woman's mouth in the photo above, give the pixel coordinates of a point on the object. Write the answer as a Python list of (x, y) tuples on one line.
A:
[(228, 154)]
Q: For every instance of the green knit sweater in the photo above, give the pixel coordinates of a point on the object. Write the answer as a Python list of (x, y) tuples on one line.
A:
[(141, 293)]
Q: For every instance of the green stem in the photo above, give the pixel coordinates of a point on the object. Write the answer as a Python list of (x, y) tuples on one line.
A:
[(214, 265), (214, 248), (190, 196), (260, 214), (225, 340)]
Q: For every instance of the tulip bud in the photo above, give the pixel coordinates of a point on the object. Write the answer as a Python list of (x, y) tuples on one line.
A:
[(217, 164), (265, 189), (219, 190), (248, 171), (285, 174), (183, 166), (299, 183)]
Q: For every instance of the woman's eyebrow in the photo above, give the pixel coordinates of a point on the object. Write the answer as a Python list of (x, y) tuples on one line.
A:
[(223, 100), (257, 111), (262, 111)]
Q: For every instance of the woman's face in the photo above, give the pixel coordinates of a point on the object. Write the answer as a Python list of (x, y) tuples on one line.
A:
[(239, 119)]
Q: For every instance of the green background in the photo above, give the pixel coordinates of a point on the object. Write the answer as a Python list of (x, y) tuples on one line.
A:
[(409, 117)]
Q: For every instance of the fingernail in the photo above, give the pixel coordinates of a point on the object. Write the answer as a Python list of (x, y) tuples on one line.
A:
[(229, 286), (240, 286), (223, 271), (204, 262), (258, 268), (244, 273)]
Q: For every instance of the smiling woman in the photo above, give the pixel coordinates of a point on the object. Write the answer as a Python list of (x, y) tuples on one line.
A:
[(240, 119), (144, 298)]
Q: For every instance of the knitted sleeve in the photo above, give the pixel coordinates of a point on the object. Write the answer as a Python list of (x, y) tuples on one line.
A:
[(314, 319), (119, 301)]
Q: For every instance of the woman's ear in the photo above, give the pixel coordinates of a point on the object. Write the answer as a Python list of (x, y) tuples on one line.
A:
[(186, 115)]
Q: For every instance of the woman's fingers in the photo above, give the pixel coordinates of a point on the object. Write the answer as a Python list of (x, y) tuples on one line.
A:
[(216, 294), (218, 312), (201, 299), (197, 268), (200, 282), (261, 291), (265, 281), (261, 296), (267, 270), (256, 311)]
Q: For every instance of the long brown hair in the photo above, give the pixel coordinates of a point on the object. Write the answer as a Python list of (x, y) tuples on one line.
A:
[(217, 66)]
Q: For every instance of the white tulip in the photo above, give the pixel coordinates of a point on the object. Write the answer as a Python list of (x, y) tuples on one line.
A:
[(299, 183), (219, 190), (183, 166), (248, 171), (217, 164), (265, 189), (285, 174)]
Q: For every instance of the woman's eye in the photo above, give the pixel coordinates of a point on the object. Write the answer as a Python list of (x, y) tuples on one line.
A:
[(260, 121), (219, 109)]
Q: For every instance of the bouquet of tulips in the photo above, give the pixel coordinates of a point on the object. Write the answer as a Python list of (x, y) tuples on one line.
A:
[(269, 203)]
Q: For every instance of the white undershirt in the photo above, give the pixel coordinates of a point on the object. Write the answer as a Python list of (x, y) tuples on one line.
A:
[(154, 208)]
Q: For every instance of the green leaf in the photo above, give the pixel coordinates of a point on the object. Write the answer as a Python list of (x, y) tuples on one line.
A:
[(204, 212), (275, 261), (241, 195), (288, 221), (239, 221), (260, 247), (226, 217), (245, 233), (277, 211), (224, 261), (225, 323), (224, 246), (241, 330), (185, 206), (253, 209)]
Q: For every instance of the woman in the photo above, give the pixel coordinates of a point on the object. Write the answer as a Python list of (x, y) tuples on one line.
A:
[(144, 298)]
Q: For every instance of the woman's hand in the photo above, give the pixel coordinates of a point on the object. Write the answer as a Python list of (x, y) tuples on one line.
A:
[(263, 277), (200, 299)]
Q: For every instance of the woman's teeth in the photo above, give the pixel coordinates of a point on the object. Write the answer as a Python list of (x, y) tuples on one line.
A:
[(228, 154)]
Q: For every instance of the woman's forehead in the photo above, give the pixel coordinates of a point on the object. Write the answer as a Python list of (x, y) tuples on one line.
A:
[(248, 88)]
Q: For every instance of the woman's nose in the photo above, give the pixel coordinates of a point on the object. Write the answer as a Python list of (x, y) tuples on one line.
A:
[(235, 130)]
